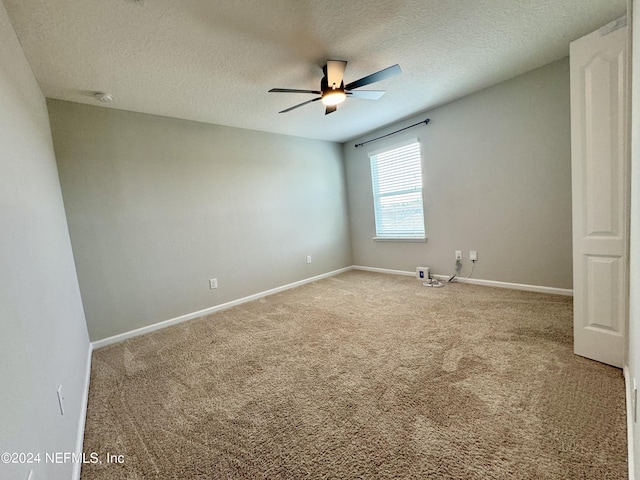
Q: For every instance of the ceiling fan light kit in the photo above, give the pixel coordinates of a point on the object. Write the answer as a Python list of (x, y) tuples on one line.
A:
[(334, 97), (333, 91)]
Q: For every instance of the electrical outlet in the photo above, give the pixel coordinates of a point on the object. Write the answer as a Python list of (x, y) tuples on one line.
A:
[(458, 254), (308, 258), (473, 255), (213, 283)]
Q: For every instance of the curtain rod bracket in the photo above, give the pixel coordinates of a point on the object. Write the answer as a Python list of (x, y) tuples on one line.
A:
[(426, 121)]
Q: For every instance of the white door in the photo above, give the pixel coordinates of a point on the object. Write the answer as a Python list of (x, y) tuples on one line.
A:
[(600, 176)]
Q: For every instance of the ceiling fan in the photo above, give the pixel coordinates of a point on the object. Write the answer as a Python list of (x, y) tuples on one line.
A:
[(333, 91)]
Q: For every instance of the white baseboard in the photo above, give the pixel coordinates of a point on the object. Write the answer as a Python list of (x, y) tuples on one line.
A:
[(514, 286), (486, 283), (629, 402), (207, 311), (83, 414), (384, 270)]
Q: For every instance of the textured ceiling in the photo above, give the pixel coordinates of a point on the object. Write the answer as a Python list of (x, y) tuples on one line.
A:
[(214, 61)]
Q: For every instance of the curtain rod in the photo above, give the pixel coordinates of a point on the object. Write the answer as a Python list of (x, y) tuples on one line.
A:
[(393, 133)]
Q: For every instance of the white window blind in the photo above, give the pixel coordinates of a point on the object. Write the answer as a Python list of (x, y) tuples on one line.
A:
[(396, 174)]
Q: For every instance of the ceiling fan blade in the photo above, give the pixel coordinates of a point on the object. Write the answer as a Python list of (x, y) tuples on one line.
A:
[(375, 77), (300, 104), (335, 72), (293, 90), (368, 94), (330, 109)]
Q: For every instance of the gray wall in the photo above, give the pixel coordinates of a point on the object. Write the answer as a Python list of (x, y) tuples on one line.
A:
[(158, 206), (497, 178), (43, 340)]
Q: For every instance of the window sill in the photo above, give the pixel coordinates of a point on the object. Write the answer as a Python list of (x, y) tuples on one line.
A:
[(401, 239)]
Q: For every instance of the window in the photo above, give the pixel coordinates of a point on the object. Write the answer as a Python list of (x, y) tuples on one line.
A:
[(396, 174)]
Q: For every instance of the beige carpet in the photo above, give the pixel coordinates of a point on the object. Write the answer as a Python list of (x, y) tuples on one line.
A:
[(361, 375)]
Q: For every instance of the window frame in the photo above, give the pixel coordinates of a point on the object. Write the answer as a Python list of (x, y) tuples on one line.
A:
[(380, 236)]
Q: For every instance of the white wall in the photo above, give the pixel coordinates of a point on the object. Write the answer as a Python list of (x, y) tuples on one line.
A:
[(634, 256), (497, 170), (43, 339), (157, 206)]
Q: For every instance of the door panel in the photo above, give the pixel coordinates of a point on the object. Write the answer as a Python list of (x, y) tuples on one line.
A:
[(599, 194), (603, 310)]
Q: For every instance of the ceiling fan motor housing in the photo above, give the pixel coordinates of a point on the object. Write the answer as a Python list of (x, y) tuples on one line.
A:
[(325, 87)]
